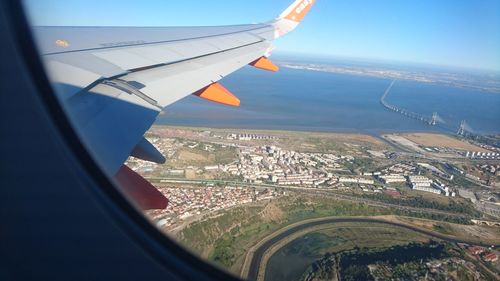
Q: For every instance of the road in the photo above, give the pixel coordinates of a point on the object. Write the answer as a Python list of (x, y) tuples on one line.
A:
[(257, 257)]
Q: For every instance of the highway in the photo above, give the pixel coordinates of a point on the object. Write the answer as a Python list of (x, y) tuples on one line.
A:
[(258, 255)]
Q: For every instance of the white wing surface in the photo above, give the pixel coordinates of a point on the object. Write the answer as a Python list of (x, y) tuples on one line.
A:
[(114, 81)]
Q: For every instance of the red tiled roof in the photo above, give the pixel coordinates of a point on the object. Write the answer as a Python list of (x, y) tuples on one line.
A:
[(392, 193), (476, 249), (490, 257)]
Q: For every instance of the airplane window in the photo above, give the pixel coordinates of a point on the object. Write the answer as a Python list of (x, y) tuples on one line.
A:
[(365, 147)]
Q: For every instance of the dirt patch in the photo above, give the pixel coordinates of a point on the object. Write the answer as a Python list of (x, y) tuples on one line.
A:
[(404, 142), (190, 156), (437, 140), (485, 233), (488, 234), (272, 213), (190, 174), (350, 138)]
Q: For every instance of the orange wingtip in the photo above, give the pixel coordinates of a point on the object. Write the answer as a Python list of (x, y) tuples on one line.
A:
[(217, 93), (300, 10), (266, 64)]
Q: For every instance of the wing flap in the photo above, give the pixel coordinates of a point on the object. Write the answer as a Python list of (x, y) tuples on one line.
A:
[(125, 59), (90, 65), (170, 83)]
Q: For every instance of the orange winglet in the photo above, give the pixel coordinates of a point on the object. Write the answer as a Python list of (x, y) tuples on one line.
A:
[(299, 10), (217, 93), (139, 190), (265, 63)]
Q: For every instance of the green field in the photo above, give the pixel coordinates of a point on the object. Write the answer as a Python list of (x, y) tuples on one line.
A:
[(226, 238), (198, 156)]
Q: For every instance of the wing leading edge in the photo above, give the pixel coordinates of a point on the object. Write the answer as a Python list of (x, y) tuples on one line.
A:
[(114, 81)]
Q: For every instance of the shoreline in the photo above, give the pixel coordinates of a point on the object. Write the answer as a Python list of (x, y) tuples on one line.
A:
[(372, 132)]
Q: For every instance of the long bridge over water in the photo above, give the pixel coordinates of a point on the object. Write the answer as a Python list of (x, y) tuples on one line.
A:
[(433, 120), (410, 114)]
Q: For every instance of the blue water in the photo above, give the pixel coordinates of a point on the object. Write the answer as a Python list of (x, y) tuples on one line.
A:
[(316, 101)]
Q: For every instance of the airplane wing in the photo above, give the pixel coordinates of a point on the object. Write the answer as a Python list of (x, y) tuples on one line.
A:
[(114, 81)]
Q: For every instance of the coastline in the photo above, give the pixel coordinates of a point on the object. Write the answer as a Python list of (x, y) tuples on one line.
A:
[(378, 133)]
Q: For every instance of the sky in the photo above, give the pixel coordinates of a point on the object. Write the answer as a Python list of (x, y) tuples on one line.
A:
[(457, 33)]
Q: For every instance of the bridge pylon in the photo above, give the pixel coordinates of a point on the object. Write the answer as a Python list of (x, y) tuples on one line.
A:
[(461, 129), (433, 121)]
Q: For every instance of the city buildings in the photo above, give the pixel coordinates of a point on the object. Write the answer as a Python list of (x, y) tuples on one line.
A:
[(188, 202)]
